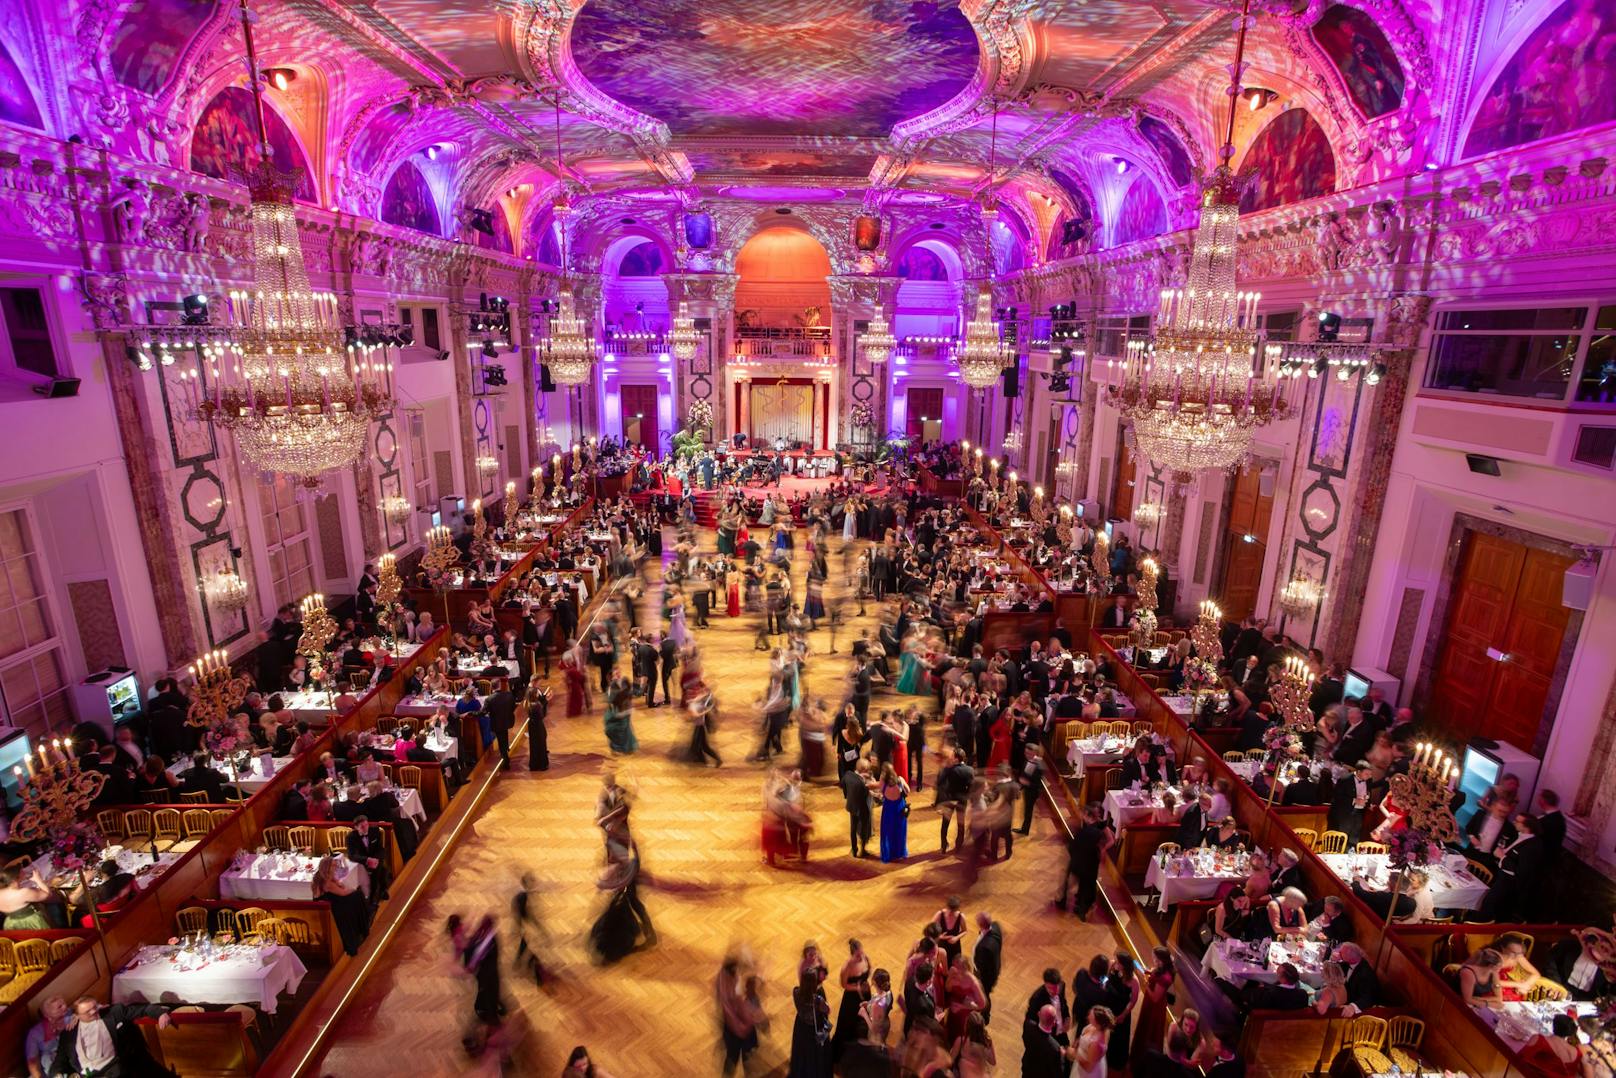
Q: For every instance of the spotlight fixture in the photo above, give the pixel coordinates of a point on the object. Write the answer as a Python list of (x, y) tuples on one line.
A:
[(431, 153), (1320, 365), (1329, 325), (1376, 373), (195, 310), (1122, 165), (1258, 98), (489, 351), (280, 77)]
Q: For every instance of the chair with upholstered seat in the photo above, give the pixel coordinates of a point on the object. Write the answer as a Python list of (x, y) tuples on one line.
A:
[(137, 823), (247, 920), (110, 823), (1332, 842), (33, 956), (1142, 727), (166, 828), (266, 929), (198, 822), (1365, 1031), (194, 797), (62, 949), (1403, 1036), (410, 776), (224, 927), (336, 839)]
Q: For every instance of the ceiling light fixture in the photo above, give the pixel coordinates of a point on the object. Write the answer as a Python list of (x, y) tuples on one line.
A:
[(981, 356), (572, 348)]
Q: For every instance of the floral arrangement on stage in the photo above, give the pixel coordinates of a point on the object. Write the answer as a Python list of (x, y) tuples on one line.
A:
[(1200, 676), (862, 415), (1409, 847), (76, 847), (700, 414)]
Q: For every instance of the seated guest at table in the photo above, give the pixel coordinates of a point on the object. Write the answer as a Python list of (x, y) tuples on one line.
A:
[(368, 846), (1226, 835), (1363, 985), (44, 1036), (1332, 924), (403, 743), (1141, 768), (1577, 963), (348, 908), (1259, 882), (1303, 789), (110, 896), (1262, 783), (1333, 993), (368, 770), (320, 809), (121, 787), (1222, 799), (1253, 725), (1287, 995), (1516, 973), (1285, 916), (1193, 824), (1560, 1053), (26, 901), (201, 776), (330, 770), (1287, 870), (1231, 919), (1478, 983), (304, 739), (156, 782), (295, 803), (1195, 772), (105, 1041), (1403, 899)]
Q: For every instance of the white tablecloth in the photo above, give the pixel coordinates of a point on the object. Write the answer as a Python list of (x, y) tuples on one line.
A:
[(137, 862), (1089, 752), (1308, 958), (409, 800), (424, 707), (1202, 882), (242, 975), (1118, 806), (310, 706), (251, 781), (1517, 1022), (287, 877), (1451, 885)]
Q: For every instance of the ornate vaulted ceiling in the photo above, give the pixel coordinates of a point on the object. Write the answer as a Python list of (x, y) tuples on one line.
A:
[(1068, 109)]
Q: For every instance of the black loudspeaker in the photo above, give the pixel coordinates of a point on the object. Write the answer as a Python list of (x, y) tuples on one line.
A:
[(1012, 381), (1482, 464), (59, 387), (546, 383)]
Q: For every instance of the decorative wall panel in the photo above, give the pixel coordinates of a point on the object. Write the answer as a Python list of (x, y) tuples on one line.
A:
[(97, 623)]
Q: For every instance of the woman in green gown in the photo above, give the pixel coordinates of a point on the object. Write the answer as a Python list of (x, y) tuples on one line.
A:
[(619, 719)]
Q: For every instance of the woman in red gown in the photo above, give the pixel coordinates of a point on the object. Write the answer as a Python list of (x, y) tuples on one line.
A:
[(577, 684), (1000, 734)]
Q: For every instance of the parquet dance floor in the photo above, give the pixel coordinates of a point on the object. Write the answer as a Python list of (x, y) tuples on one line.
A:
[(705, 886)]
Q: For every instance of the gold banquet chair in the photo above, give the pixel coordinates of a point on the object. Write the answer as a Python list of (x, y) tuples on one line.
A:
[(61, 949), (191, 919), (198, 822), (1307, 837), (301, 838), (1403, 1036), (166, 828), (1370, 847), (277, 837), (247, 920), (1366, 1031), (1332, 842)]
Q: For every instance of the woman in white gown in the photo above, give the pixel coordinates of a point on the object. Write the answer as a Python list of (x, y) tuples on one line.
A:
[(1088, 1058)]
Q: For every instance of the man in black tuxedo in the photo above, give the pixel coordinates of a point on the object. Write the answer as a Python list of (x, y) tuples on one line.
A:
[(1303, 789), (1083, 854), (1352, 798), (988, 956), (1363, 986), (1551, 827), (1140, 767), (1287, 995), (1051, 994), (1192, 825), (920, 997), (295, 805), (500, 707), (201, 776), (963, 720), (1399, 901), (367, 846), (667, 659), (108, 1031), (856, 794), (1356, 739), (643, 660), (1516, 892), (1580, 963), (1287, 872), (1042, 1047)]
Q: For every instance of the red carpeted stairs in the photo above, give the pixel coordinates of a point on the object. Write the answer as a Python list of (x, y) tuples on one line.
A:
[(706, 506)]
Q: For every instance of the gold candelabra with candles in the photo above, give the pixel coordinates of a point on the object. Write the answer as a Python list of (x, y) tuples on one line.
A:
[(55, 792), (1207, 634), (1063, 526), (388, 585), (1422, 793), (319, 629), (441, 556), (1291, 693), (1144, 617), (536, 495), (217, 692)]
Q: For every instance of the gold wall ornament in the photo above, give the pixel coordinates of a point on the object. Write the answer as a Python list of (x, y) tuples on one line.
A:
[(1101, 560), (217, 692), (55, 792), (1422, 793)]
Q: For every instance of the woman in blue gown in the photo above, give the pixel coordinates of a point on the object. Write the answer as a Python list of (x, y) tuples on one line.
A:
[(894, 816)]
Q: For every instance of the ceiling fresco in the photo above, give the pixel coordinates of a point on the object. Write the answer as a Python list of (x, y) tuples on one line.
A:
[(776, 67), (782, 163)]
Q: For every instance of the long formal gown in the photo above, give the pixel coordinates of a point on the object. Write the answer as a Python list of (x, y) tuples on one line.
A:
[(810, 1036), (577, 687), (894, 824), (352, 915), (909, 673), (1086, 1044), (849, 1023), (1151, 1029), (620, 725)]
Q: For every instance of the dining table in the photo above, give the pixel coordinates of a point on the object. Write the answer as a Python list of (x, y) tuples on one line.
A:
[(1194, 874), (1450, 883), (1239, 961), (1517, 1021), (409, 799), (283, 876), (260, 771), (136, 861), (1140, 806), (202, 971)]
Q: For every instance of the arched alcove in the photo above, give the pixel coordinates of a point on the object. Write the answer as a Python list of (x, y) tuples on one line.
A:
[(634, 297), (782, 273), (225, 141)]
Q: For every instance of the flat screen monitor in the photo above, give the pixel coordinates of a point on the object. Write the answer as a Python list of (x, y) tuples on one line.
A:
[(123, 697), (14, 747), (1356, 685)]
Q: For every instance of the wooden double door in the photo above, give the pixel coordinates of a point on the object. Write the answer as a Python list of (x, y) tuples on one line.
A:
[(1245, 542), (1505, 597)]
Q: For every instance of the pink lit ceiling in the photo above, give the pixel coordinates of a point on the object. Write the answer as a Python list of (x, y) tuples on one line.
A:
[(1105, 111)]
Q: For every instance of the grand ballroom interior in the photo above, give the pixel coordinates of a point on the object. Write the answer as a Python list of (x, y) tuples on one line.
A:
[(668, 537)]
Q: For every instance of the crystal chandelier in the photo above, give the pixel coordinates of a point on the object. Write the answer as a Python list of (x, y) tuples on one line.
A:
[(1300, 597), (572, 352), (684, 339), (226, 591), (487, 465), (1147, 514), (1193, 395), (296, 401), (981, 354), (397, 510), (877, 340)]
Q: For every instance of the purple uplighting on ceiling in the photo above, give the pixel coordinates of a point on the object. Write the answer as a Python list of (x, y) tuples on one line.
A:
[(786, 194), (776, 67)]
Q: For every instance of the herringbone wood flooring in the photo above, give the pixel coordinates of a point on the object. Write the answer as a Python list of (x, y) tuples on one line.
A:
[(706, 889)]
